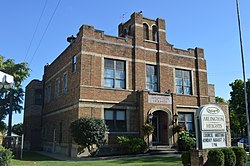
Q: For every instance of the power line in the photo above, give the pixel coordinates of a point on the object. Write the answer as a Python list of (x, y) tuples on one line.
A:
[(33, 36), (45, 31)]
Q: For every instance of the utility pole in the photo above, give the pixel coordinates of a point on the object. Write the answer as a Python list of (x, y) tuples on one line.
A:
[(243, 70)]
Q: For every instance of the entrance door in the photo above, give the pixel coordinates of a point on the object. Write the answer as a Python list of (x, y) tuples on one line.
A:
[(161, 128), (156, 134)]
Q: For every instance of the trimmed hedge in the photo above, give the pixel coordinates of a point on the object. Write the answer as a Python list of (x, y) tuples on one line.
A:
[(230, 158), (185, 157), (185, 141), (215, 158), (241, 156), (131, 145)]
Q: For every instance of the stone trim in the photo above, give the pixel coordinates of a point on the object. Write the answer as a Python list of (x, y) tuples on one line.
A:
[(107, 42), (59, 71), (105, 101), (140, 47), (186, 106), (60, 111), (140, 25), (137, 61)]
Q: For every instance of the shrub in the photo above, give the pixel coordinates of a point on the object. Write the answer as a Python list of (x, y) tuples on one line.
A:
[(241, 156), (185, 141), (147, 128), (5, 156), (185, 157), (132, 144), (89, 133), (215, 158), (230, 158)]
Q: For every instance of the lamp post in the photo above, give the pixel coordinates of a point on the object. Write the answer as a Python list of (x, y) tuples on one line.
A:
[(243, 71)]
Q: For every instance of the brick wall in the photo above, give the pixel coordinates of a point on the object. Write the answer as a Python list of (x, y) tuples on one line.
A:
[(86, 95)]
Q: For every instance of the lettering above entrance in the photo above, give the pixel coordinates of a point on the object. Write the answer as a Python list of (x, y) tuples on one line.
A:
[(156, 99)]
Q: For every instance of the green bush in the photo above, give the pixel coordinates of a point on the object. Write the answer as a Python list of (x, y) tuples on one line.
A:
[(5, 156), (148, 128), (185, 157), (132, 144), (230, 158), (185, 141), (215, 158), (241, 156), (89, 133)]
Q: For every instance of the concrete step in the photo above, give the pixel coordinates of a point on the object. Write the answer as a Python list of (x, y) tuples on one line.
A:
[(161, 149)]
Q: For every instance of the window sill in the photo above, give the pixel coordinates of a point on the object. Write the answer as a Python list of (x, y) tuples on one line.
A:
[(116, 89), (150, 41), (178, 94)]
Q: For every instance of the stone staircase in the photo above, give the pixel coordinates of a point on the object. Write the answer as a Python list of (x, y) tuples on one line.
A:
[(162, 149)]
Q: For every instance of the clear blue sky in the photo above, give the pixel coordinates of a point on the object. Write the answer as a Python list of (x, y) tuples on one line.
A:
[(210, 24)]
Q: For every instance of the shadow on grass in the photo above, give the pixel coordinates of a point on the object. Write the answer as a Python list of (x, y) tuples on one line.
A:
[(33, 156), (149, 159)]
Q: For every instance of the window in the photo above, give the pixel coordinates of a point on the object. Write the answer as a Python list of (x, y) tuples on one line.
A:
[(38, 96), (125, 32), (115, 120), (57, 87), (155, 33), (151, 78), (145, 32), (130, 33), (186, 120), (74, 63), (183, 82), (47, 94), (65, 82), (114, 74)]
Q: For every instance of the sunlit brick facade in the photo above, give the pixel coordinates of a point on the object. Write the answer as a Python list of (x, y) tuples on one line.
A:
[(128, 80)]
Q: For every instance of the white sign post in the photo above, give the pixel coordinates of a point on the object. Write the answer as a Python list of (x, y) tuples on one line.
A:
[(6, 80), (212, 127)]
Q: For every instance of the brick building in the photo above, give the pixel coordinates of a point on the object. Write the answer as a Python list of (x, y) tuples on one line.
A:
[(126, 80)]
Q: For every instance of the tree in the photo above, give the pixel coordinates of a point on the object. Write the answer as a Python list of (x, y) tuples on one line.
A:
[(89, 133), (3, 127), (220, 100), (237, 106), (20, 72), (18, 129)]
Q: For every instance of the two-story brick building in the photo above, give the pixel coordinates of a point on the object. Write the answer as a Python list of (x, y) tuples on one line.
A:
[(125, 80)]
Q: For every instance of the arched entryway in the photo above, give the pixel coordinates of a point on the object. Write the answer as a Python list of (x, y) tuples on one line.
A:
[(160, 123), (161, 120)]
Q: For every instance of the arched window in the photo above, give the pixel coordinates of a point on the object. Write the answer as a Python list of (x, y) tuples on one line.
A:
[(155, 33), (130, 30), (145, 32), (125, 32)]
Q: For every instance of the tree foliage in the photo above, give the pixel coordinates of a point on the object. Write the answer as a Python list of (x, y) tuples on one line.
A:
[(3, 127), (20, 72), (89, 133), (17, 129), (220, 100), (237, 105)]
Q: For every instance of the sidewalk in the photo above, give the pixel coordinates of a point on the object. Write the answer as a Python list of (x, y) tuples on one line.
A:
[(66, 158)]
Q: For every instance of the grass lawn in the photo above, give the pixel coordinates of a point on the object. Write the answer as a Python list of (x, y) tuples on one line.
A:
[(31, 158)]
